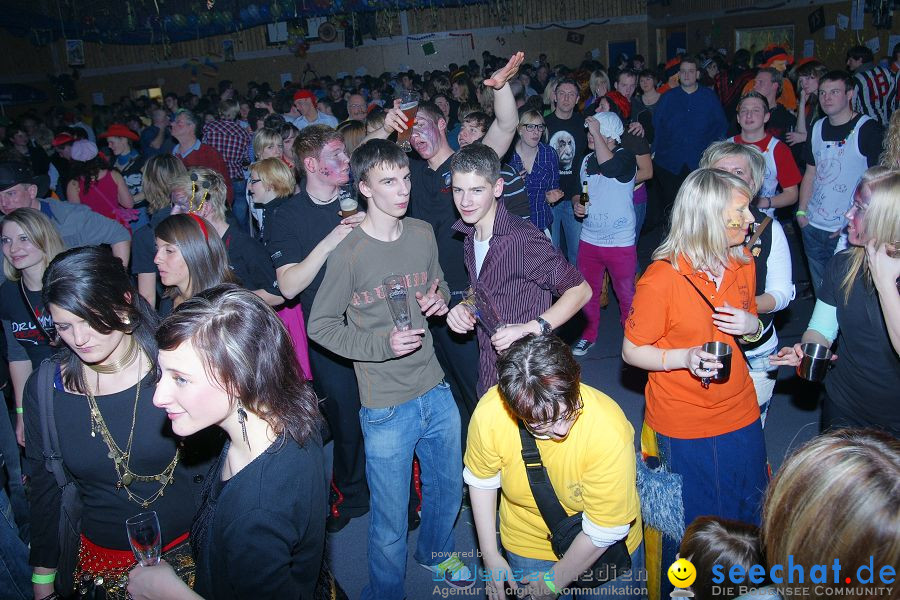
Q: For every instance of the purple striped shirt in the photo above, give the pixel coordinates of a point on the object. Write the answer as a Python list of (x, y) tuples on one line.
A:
[(522, 272)]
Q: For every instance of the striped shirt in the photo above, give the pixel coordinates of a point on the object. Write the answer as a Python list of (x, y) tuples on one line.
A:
[(544, 177), (522, 272), (876, 93)]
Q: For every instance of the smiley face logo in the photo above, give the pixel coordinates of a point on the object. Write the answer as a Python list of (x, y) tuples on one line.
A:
[(682, 573)]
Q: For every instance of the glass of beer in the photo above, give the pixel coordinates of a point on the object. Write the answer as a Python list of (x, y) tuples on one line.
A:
[(409, 104)]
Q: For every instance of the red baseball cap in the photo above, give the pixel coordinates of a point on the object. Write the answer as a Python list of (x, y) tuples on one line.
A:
[(119, 130), (62, 139), (304, 93)]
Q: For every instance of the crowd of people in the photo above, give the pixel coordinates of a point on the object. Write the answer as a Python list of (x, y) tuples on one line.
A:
[(273, 263)]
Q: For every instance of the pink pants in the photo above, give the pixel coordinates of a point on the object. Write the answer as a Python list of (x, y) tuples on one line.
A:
[(594, 262)]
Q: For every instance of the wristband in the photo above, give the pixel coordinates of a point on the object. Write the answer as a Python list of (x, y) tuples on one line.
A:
[(43, 579), (19, 410), (548, 581), (755, 336), (800, 213)]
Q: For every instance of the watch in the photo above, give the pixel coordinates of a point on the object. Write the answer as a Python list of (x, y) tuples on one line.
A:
[(546, 327)]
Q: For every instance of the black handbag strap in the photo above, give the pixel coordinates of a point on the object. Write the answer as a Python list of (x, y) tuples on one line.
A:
[(539, 481), (49, 434), (737, 339)]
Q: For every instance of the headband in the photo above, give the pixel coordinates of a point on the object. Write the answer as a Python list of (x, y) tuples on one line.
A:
[(201, 224), (206, 185)]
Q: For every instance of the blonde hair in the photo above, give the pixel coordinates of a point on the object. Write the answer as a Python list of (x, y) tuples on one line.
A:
[(550, 92), (599, 76), (881, 187), (273, 173), (266, 137), (353, 133), (530, 117), (724, 148), (890, 158), (697, 232), (159, 174), (43, 235), (205, 187), (836, 498)]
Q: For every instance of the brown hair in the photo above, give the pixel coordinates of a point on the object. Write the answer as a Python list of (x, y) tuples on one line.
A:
[(246, 349), (310, 142), (710, 541), (160, 172), (202, 250), (836, 498), (536, 374)]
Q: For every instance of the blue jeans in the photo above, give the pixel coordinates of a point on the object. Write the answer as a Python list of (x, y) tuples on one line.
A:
[(239, 207), (429, 427), (9, 454), (15, 574), (565, 224), (819, 248), (631, 584)]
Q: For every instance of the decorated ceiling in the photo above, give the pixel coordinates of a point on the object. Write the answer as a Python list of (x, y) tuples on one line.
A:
[(151, 21)]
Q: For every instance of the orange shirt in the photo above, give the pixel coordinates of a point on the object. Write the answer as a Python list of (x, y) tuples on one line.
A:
[(667, 312)]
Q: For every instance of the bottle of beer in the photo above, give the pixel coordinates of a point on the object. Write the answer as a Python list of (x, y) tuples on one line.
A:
[(585, 201)]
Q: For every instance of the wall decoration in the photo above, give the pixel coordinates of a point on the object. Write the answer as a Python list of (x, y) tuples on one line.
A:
[(574, 37), (75, 53), (757, 38)]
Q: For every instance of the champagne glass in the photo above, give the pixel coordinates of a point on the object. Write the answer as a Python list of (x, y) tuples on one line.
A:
[(145, 537)]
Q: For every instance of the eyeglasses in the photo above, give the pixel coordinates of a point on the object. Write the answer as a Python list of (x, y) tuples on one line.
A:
[(538, 430), (534, 127)]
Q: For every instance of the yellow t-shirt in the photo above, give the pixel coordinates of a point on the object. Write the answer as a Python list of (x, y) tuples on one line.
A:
[(592, 470)]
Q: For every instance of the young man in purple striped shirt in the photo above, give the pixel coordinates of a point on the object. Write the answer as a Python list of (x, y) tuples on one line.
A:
[(512, 261)]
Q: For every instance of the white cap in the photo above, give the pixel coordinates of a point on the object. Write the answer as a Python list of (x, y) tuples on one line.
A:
[(610, 125)]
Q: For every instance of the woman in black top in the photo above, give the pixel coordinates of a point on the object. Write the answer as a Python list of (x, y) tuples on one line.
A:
[(30, 242), (226, 360), (119, 451)]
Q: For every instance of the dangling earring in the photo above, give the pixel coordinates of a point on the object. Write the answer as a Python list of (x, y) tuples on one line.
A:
[(242, 419)]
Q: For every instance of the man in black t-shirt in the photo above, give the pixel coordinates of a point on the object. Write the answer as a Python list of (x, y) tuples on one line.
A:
[(300, 232), (565, 129), (769, 82)]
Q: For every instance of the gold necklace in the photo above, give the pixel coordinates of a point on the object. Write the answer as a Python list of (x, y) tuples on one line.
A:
[(119, 365), (122, 459)]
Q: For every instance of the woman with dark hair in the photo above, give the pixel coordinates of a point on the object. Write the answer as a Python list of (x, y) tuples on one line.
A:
[(117, 449), (94, 184), (190, 257), (226, 360)]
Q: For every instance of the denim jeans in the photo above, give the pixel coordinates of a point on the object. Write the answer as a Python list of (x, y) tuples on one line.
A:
[(818, 245), (429, 427), (15, 574), (565, 224), (631, 584)]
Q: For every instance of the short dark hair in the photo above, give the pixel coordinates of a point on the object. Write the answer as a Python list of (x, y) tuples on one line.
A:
[(536, 374), (310, 142), (758, 96), (479, 118), (838, 75), (710, 541), (863, 53), (431, 109), (629, 72), (479, 159), (246, 349), (567, 81), (691, 59), (376, 153)]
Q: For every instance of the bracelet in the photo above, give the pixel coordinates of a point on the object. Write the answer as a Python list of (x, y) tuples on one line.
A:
[(42, 579), (665, 368), (800, 213), (548, 581), (756, 336), (19, 410)]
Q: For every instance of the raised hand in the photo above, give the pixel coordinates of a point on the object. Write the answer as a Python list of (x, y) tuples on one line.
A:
[(504, 75)]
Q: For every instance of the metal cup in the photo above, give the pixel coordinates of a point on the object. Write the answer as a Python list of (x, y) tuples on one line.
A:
[(723, 354), (815, 361)]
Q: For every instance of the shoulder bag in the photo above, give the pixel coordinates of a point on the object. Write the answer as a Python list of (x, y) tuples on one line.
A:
[(564, 529)]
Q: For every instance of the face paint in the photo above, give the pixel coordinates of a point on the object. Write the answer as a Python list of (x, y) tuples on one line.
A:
[(334, 164), (425, 136)]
